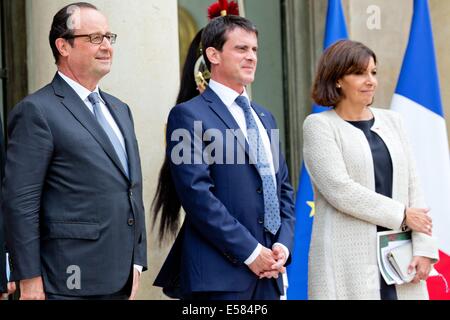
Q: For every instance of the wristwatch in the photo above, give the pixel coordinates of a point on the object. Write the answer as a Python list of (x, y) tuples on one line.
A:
[(403, 226)]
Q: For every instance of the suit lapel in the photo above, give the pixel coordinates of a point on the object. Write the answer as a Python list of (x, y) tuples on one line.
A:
[(76, 107), (222, 112), (220, 108), (264, 119)]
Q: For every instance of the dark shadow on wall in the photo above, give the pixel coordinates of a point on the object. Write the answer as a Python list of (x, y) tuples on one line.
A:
[(14, 71)]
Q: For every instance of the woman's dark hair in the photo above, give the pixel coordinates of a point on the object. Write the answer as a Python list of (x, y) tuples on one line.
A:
[(166, 202), (61, 26), (342, 58), (215, 33)]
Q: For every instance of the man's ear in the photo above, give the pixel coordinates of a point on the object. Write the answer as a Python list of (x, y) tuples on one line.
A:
[(63, 47), (213, 55)]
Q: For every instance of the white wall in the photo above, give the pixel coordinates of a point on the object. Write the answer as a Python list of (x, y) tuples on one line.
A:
[(390, 41)]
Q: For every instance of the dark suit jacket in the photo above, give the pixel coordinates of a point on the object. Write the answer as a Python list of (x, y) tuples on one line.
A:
[(68, 203), (3, 280), (224, 207)]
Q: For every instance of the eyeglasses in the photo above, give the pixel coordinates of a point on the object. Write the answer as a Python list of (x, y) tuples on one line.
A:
[(96, 38)]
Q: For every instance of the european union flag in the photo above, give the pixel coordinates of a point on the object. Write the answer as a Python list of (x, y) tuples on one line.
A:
[(335, 29)]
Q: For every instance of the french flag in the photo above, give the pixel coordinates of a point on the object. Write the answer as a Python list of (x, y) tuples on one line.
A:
[(418, 99)]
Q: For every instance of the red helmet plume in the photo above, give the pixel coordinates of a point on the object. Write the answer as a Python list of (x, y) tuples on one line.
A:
[(223, 8)]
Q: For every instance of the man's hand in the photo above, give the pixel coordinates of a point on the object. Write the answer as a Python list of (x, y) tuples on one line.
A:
[(263, 262), (136, 280), (11, 290), (422, 266), (32, 289), (280, 257)]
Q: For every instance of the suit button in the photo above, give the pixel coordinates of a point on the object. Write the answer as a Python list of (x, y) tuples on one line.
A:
[(130, 193), (259, 190), (131, 222), (261, 221)]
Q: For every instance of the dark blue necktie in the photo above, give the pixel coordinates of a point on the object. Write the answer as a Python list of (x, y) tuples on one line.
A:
[(272, 220), (120, 151)]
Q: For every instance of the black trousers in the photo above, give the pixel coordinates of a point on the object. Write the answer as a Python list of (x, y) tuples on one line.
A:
[(263, 289), (123, 294), (115, 296)]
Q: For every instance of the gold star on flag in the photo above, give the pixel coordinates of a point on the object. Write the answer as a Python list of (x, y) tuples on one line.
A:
[(313, 208)]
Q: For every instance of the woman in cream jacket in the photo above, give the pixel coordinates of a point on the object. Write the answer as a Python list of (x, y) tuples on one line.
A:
[(364, 181)]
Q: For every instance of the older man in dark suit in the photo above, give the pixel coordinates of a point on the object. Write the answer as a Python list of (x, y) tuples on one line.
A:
[(73, 186)]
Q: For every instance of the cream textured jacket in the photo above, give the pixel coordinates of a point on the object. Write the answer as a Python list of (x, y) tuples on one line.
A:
[(342, 258)]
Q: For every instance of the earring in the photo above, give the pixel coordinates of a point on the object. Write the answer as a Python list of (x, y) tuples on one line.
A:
[(338, 86)]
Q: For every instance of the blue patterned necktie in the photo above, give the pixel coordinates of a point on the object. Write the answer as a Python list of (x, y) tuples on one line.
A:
[(272, 220), (120, 151)]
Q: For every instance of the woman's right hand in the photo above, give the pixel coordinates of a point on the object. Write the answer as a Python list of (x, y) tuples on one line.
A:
[(418, 220)]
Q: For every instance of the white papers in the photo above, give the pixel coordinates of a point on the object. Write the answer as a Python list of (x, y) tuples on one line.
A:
[(386, 242)]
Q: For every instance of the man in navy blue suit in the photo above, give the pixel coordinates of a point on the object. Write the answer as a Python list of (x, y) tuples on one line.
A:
[(238, 231)]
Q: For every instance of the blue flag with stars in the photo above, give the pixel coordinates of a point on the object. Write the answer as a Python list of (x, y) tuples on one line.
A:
[(335, 29)]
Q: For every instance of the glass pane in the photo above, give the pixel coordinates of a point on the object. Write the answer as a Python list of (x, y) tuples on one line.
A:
[(192, 16), (267, 89)]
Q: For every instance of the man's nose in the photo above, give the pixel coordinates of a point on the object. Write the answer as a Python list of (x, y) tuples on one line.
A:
[(251, 55), (106, 44)]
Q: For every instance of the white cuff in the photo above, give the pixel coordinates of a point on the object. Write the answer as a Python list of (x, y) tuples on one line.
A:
[(138, 268), (254, 255), (8, 271)]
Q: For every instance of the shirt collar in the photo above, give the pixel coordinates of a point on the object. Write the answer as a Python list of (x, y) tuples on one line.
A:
[(226, 94), (81, 91)]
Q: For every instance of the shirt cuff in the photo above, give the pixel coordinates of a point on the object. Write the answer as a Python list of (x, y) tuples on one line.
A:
[(138, 268), (285, 249), (254, 255), (8, 271)]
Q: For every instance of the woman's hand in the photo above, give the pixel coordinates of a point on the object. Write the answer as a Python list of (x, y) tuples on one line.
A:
[(418, 220), (422, 266)]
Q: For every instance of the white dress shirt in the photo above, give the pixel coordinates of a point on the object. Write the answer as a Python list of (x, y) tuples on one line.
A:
[(84, 93), (228, 97)]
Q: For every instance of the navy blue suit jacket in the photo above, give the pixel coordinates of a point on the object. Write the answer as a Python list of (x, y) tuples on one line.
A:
[(224, 207), (67, 200)]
